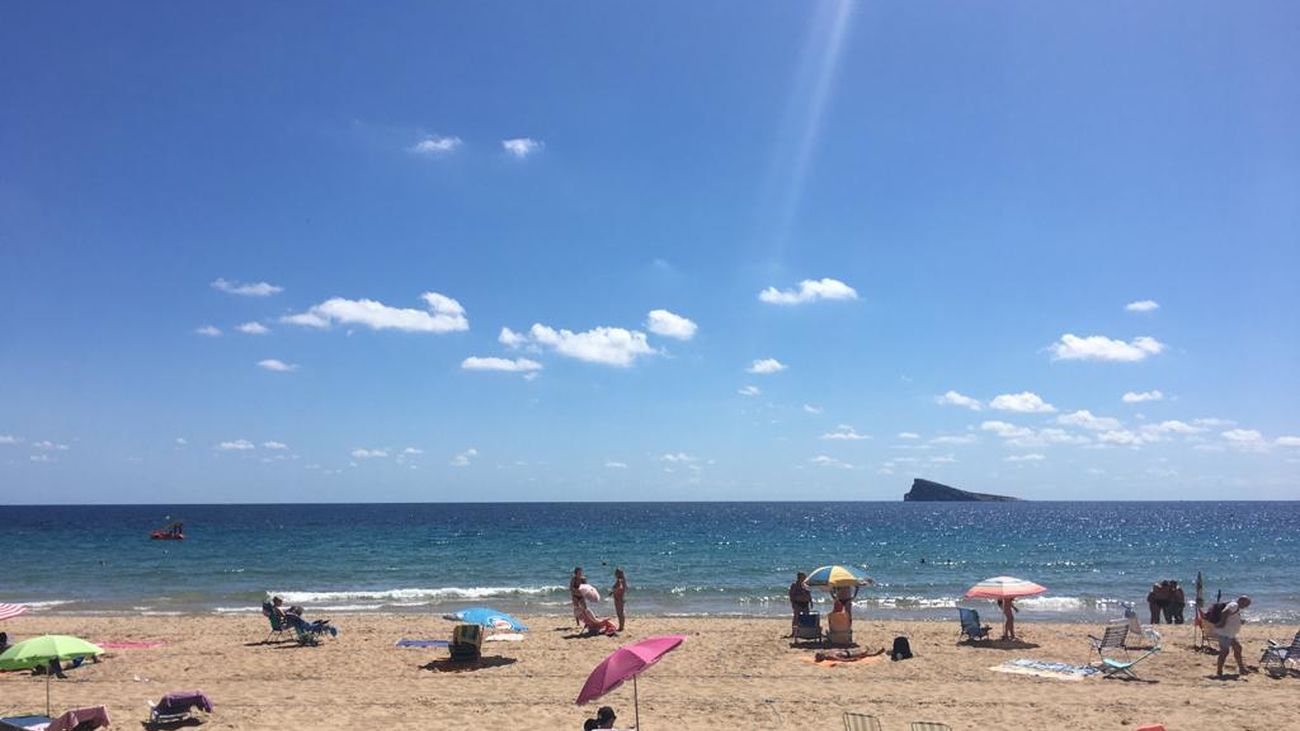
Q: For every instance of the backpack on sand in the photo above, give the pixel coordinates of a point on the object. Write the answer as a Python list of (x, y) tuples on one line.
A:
[(902, 649)]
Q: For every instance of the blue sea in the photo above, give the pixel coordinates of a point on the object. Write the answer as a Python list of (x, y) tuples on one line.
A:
[(681, 558)]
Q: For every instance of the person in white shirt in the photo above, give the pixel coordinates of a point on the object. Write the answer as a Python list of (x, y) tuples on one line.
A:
[(1226, 629)]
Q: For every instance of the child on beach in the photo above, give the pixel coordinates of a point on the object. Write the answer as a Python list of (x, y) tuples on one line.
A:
[(618, 591), (1009, 609)]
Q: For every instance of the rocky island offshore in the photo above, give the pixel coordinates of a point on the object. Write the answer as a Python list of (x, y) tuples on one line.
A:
[(933, 492)]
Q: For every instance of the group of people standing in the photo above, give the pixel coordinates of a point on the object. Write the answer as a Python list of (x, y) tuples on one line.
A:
[(581, 592), (1166, 599)]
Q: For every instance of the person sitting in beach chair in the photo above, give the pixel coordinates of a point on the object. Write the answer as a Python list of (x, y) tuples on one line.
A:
[(466, 643), (177, 708), (971, 628), (309, 633), (839, 627), (597, 625), (279, 625), (1276, 656)]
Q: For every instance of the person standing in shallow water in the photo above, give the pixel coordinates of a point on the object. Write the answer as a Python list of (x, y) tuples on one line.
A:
[(618, 591), (575, 596)]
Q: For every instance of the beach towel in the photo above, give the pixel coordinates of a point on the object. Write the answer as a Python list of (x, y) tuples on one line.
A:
[(1047, 669), (504, 637), (131, 644), (422, 643), (830, 663), (94, 717)]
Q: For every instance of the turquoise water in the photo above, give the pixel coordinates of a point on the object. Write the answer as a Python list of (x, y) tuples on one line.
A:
[(681, 558)]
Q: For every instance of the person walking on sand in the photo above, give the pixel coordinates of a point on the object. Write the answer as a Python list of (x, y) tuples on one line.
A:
[(575, 596), (618, 591), (1009, 609), (800, 600), (1229, 624)]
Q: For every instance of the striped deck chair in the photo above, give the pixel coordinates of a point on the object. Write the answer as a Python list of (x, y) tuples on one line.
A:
[(1114, 638), (1124, 670), (930, 726), (1276, 656), (860, 722)]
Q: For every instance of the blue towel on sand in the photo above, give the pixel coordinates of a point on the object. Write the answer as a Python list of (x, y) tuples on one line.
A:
[(422, 643)]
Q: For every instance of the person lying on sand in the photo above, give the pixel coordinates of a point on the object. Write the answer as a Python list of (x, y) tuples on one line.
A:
[(847, 655), (597, 625)]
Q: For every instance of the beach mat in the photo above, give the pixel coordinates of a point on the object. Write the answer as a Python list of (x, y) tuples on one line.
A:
[(131, 644), (832, 663), (422, 643), (505, 637), (1046, 669)]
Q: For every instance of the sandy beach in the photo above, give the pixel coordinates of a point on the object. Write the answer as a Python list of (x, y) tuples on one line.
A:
[(731, 673)]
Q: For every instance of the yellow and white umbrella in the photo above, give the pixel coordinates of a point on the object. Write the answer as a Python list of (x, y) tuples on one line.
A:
[(833, 577)]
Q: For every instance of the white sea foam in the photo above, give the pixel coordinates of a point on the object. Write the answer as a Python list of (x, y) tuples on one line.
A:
[(233, 610), (413, 597), (48, 604)]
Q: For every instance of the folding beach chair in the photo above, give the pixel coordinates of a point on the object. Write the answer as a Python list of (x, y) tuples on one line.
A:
[(860, 722), (808, 626), (466, 643), (278, 627), (971, 628), (309, 633), (1276, 656), (930, 726), (1124, 670), (177, 708), (1114, 638), (1207, 639)]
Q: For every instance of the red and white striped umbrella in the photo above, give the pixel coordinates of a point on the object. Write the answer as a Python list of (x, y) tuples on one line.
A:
[(8, 611), (1004, 587)]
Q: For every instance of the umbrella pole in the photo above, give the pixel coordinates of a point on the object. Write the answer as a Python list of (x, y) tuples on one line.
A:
[(636, 706), (47, 690)]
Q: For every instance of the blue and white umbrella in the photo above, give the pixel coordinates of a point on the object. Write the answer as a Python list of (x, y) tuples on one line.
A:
[(486, 617)]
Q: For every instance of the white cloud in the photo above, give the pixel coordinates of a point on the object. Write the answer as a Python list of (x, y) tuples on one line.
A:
[(670, 325), (181, 441), (463, 459), (208, 330), (1084, 418), (253, 328), (238, 445), (766, 366), (811, 409), (444, 314), (1100, 347), (412, 451), (809, 290), (252, 289), (1287, 441), (363, 453), (954, 439), (1051, 436), (1137, 397), (515, 365), (275, 445), (1025, 402), (1142, 306), (274, 364), (435, 145), (943, 459), (613, 465), (1174, 426), (845, 432), (952, 398), (908, 435), (1245, 439), (1025, 458), (9, 439), (49, 446), (522, 147), (1122, 437), (605, 345), (677, 458), (823, 460), (749, 390), (1214, 422), (40, 458), (1006, 430)]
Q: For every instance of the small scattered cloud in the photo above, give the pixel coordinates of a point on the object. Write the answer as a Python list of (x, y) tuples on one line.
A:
[(614, 465), (1085, 419), (749, 390), (952, 398), (512, 339), (811, 409), (9, 439), (442, 315), (1102, 348), (522, 147), (252, 289), (434, 145), (1137, 397), (278, 446), (955, 439), (253, 328), (1142, 306), (942, 459), (824, 460), (1248, 440), (766, 366), (181, 441), (845, 432), (464, 458), (670, 325), (809, 290), (1035, 457), (677, 458), (613, 346), (48, 446), (1025, 402), (277, 365), (211, 331), (363, 453), (507, 365), (237, 445), (1123, 438), (1287, 441), (908, 435), (40, 458), (412, 451)]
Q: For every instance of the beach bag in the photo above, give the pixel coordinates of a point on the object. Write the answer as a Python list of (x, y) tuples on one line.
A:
[(1214, 615), (902, 649)]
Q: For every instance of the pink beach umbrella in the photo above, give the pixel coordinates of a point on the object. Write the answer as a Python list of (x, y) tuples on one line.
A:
[(1004, 587), (8, 611), (626, 662)]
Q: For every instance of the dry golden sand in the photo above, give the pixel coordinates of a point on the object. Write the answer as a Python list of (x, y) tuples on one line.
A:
[(731, 673)]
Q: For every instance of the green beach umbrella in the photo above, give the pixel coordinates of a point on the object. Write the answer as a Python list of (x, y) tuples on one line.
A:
[(40, 650)]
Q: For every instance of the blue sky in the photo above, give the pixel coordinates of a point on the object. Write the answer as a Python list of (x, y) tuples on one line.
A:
[(975, 196)]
